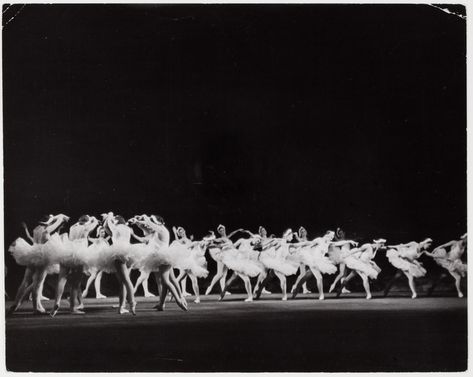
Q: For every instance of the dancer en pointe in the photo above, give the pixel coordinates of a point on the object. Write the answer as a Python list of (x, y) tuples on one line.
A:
[(335, 252), (216, 250), (36, 259), (404, 258), (360, 261), (72, 256), (450, 261), (181, 237), (95, 249), (313, 255), (301, 236)]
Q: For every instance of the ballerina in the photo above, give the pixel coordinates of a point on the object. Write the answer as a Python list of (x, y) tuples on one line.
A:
[(275, 257), (243, 266), (36, 259), (313, 255), (360, 261), (144, 274), (72, 258), (450, 261), (216, 250), (181, 237), (301, 236), (97, 247), (335, 252), (404, 258)]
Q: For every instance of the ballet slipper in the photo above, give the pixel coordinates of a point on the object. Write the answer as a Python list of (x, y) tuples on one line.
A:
[(414, 295), (460, 295), (149, 294), (123, 310), (249, 299), (344, 290), (368, 297), (266, 292), (197, 300), (321, 297), (54, 311), (284, 298), (133, 307), (99, 295), (80, 307)]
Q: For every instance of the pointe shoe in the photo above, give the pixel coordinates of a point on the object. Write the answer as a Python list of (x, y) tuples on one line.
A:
[(460, 295), (44, 298), (207, 292), (266, 292), (99, 295), (344, 290), (321, 297), (197, 300), (133, 307), (249, 299), (54, 311), (284, 298), (77, 311), (123, 310), (332, 287), (80, 307), (414, 295), (306, 292), (368, 297), (149, 294)]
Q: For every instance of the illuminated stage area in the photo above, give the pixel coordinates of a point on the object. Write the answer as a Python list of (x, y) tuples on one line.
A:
[(345, 334)]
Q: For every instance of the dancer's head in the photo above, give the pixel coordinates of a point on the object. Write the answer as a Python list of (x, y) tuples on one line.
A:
[(120, 220), (302, 232), (340, 234), (181, 232), (101, 232), (425, 244), (329, 235), (221, 230), (379, 243), (262, 231), (288, 235), (83, 219), (45, 220), (157, 219)]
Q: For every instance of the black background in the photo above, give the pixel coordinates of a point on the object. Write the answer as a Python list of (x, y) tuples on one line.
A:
[(275, 115)]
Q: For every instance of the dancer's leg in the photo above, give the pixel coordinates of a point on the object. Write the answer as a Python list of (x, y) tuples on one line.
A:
[(302, 271), (340, 275), (457, 278), (366, 285), (247, 282), (227, 284), (195, 287), (143, 276), (217, 277), (163, 290), (92, 277), (97, 284), (412, 286), (61, 283), (38, 277), (125, 276), (22, 290), (307, 275), (260, 280), (282, 281), (180, 301), (320, 284)]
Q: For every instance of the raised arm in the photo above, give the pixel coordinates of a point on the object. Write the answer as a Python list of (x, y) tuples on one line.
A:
[(58, 219), (451, 243), (234, 232), (343, 242), (27, 232)]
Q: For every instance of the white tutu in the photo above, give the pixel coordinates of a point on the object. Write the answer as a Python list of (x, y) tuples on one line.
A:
[(313, 258), (26, 254), (364, 267), (177, 256), (239, 261), (66, 252), (94, 252), (274, 260), (216, 253), (52, 269), (414, 268), (335, 254), (456, 265)]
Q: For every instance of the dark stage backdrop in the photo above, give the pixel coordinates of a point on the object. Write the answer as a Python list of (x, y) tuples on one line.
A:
[(314, 115)]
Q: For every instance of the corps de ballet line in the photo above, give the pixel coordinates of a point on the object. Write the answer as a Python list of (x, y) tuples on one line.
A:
[(253, 255)]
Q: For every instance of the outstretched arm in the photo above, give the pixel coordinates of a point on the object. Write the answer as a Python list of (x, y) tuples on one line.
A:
[(141, 239), (27, 232), (58, 219), (234, 232), (451, 243), (343, 242)]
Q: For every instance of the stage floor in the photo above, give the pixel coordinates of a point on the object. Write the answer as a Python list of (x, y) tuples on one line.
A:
[(334, 335)]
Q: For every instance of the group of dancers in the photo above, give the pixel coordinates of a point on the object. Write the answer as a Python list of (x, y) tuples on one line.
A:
[(252, 255)]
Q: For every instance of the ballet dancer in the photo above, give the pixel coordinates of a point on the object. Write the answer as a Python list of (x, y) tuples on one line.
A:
[(36, 259), (181, 237), (239, 260), (275, 257), (72, 259), (216, 250), (301, 236), (450, 261), (313, 255), (360, 261), (97, 247), (404, 258), (335, 252)]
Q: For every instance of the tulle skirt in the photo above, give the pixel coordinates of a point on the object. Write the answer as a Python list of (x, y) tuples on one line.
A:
[(335, 254), (455, 265), (26, 254), (125, 252), (314, 259), (216, 253), (271, 260), (412, 267), (364, 267), (240, 262), (94, 253), (177, 256)]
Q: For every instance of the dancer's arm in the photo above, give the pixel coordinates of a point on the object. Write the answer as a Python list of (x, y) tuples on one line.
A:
[(27, 232), (58, 219), (141, 239), (451, 243), (234, 232), (344, 242)]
